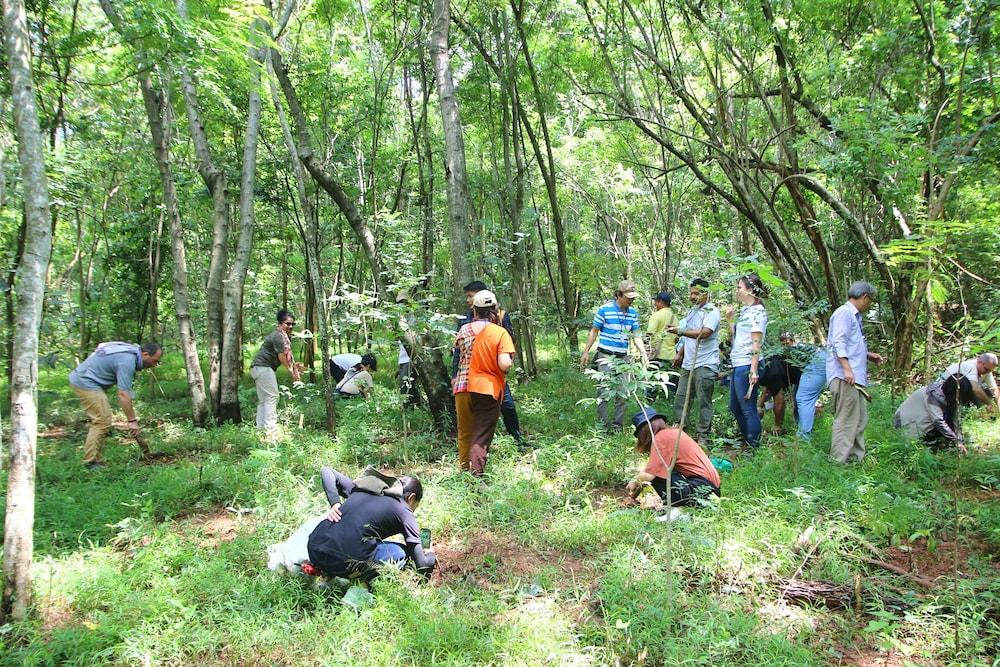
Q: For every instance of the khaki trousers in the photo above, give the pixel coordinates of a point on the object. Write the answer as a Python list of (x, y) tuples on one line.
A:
[(466, 422), (267, 398), (95, 402), (850, 417)]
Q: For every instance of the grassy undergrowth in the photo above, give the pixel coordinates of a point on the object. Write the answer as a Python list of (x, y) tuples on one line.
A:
[(163, 563)]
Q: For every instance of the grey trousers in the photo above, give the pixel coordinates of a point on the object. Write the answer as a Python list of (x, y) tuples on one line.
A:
[(850, 417), (701, 399), (267, 398), (605, 364)]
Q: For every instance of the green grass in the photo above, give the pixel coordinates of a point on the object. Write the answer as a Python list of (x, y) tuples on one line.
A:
[(143, 564)]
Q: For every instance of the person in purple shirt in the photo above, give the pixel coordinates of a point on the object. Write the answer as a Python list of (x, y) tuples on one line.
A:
[(847, 370)]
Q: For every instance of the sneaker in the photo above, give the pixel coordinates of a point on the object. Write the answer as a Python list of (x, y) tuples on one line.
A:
[(94, 465), (675, 514)]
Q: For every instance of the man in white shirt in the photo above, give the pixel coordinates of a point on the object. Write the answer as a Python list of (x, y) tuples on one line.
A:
[(698, 358), (980, 374)]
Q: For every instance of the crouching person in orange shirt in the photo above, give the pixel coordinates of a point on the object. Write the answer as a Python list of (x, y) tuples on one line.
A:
[(693, 476)]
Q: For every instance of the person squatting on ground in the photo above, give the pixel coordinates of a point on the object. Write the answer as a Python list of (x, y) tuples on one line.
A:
[(980, 374), (931, 413), (353, 374), (351, 542), (693, 476), (613, 323), (112, 363), (659, 332), (698, 358), (847, 370), (485, 351), (276, 350), (508, 410), (779, 380), (748, 338)]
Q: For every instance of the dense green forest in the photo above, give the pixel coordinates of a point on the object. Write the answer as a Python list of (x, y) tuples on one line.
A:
[(178, 172)]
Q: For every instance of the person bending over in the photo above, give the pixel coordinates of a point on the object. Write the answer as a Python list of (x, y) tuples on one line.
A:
[(356, 378), (931, 413), (693, 476), (351, 541)]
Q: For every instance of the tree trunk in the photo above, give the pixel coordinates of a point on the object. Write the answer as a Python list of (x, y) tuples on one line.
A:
[(427, 363), (547, 166), (19, 519), (514, 169), (218, 186), (232, 368), (311, 240), (456, 182), (160, 116), (9, 296)]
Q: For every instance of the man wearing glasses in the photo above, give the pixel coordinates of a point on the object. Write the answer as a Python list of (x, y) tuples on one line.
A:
[(275, 351)]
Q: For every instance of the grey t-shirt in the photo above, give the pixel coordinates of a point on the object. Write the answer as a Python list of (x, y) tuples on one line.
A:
[(274, 344), (100, 371)]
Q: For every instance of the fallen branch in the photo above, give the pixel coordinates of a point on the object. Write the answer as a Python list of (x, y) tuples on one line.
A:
[(916, 578)]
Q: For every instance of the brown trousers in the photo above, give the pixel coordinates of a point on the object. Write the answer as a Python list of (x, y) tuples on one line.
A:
[(850, 417), (485, 414), (95, 402), (463, 415)]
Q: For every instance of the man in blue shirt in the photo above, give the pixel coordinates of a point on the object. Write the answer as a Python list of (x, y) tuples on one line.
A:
[(112, 363), (613, 324), (698, 358), (847, 370)]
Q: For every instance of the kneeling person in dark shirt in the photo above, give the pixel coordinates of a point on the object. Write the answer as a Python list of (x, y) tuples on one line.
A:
[(351, 541)]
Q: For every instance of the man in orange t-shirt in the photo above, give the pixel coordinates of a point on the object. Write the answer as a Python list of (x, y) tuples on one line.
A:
[(693, 476), (490, 357)]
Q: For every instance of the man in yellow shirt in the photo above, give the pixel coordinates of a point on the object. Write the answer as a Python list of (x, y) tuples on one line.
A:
[(661, 341)]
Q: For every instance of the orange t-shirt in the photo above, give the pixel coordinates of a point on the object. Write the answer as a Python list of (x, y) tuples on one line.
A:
[(485, 376), (691, 460)]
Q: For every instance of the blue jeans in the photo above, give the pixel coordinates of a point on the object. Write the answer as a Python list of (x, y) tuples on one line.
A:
[(810, 387), (745, 409), (390, 552)]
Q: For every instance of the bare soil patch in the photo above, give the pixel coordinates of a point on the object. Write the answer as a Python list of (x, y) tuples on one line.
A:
[(920, 559), (615, 496), (866, 657), (220, 527), (485, 557)]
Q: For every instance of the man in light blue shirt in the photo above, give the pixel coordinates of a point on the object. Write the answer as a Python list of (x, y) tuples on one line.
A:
[(614, 324), (112, 363), (698, 358), (847, 370)]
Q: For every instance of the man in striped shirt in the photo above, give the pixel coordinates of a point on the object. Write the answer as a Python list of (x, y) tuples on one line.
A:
[(613, 324)]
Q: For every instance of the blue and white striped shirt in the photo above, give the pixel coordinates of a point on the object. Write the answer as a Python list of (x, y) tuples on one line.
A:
[(615, 325)]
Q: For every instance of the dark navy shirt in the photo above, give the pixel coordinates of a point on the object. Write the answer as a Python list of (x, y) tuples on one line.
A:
[(344, 547)]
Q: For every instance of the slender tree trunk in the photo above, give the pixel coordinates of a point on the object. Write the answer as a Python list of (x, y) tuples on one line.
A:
[(9, 296), (311, 240), (547, 166), (514, 169), (160, 116), (156, 265), (19, 519), (232, 368), (218, 186), (456, 181), (427, 363)]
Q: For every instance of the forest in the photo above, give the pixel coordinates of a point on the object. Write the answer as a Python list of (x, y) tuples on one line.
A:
[(179, 172)]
